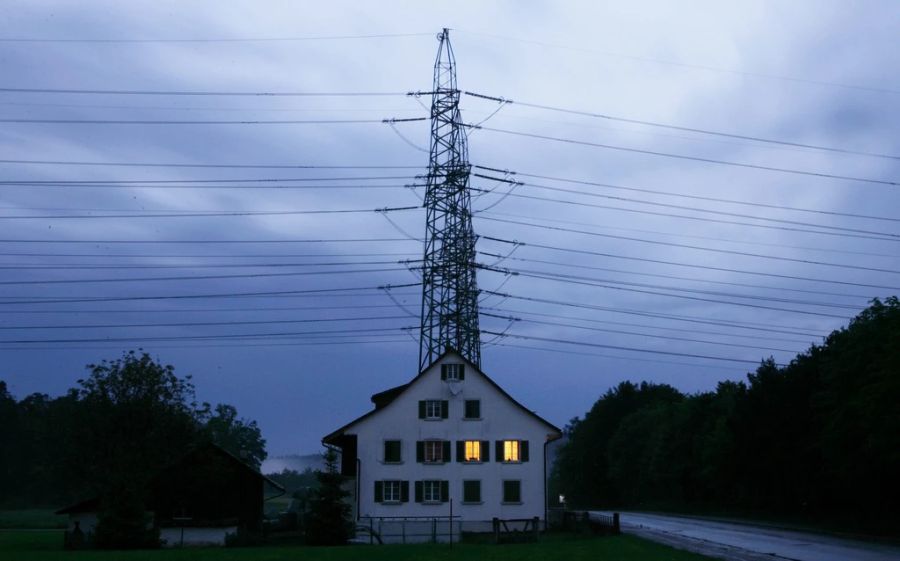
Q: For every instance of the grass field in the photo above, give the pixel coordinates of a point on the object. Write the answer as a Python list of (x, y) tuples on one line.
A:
[(46, 546), (31, 518)]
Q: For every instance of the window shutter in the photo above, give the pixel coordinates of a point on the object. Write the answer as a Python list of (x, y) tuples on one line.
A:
[(421, 409), (523, 450), (445, 409), (485, 450), (404, 491), (498, 448), (443, 372), (418, 491), (446, 451), (445, 491), (420, 451), (460, 451), (462, 371), (379, 491)]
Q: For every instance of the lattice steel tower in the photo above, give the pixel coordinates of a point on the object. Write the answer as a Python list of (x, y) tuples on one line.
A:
[(449, 289)]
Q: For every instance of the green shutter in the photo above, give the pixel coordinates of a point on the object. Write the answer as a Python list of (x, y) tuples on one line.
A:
[(485, 450), (379, 491), (445, 409), (420, 451), (445, 491), (421, 409), (460, 451), (523, 450), (446, 451), (418, 491), (462, 371), (404, 491), (498, 448)]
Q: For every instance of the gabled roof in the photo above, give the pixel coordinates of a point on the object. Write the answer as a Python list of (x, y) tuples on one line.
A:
[(383, 399)]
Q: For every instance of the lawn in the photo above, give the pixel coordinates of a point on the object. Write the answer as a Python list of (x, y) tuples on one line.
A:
[(45, 546), (31, 518)]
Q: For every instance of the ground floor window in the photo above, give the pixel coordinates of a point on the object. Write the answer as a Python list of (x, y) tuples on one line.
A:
[(391, 491), (512, 491), (432, 491), (471, 491)]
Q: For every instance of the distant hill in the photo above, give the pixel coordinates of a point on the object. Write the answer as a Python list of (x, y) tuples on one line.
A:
[(294, 462)]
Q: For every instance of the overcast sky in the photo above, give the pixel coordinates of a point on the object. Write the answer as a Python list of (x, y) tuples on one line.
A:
[(662, 279)]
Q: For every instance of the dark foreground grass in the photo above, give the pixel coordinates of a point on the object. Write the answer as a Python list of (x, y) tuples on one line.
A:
[(31, 518), (46, 546)]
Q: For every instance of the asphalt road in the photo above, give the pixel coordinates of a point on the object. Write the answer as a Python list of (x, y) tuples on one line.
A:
[(746, 542)]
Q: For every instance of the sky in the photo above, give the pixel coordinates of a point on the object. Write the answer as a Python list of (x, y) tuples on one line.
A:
[(630, 245)]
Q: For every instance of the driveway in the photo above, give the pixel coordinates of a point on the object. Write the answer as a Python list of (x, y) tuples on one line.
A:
[(747, 542)]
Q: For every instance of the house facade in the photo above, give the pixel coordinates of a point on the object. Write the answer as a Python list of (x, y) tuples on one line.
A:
[(451, 435)]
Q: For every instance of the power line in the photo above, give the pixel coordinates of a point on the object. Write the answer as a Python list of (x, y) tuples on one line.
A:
[(69, 182), (198, 93), (211, 242), (638, 334), (230, 345), (209, 40), (674, 277), (188, 165), (718, 333), (208, 256), (209, 310), (203, 277), (839, 231), (197, 323), (788, 330), (695, 247), (687, 196), (617, 347), (688, 65), (197, 122), (686, 157), (78, 266), (316, 291), (683, 128), (677, 264), (208, 214)]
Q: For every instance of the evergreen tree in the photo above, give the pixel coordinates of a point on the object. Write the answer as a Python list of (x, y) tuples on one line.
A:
[(329, 518)]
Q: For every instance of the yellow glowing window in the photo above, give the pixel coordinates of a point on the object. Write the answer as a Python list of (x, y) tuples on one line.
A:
[(473, 451), (511, 451)]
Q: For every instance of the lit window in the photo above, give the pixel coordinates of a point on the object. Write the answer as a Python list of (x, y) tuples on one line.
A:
[(391, 492), (392, 451), (511, 451), (431, 491), (433, 409), (434, 451), (473, 451)]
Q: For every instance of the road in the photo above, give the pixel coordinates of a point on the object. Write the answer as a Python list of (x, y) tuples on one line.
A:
[(746, 542)]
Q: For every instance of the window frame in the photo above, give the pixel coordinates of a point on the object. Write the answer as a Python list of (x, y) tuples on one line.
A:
[(435, 406), (432, 487), (512, 446), (468, 446), (454, 371), (384, 451), (433, 445), (466, 409), (504, 499), (393, 485), (467, 482)]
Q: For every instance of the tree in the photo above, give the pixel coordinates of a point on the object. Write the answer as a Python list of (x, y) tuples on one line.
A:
[(329, 519), (240, 437)]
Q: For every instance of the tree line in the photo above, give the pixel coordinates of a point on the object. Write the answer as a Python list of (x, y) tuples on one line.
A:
[(817, 439), (110, 434)]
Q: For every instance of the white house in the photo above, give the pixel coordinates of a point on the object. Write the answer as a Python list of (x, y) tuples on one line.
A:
[(449, 439)]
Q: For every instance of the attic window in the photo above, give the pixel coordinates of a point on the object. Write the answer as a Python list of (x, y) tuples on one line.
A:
[(453, 371)]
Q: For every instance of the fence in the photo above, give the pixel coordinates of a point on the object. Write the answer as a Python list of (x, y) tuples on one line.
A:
[(584, 521), (410, 529), (522, 530)]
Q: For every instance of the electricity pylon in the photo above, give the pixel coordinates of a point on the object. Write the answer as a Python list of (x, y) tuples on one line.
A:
[(449, 288)]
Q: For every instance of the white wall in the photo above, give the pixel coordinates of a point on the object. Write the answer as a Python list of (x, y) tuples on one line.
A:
[(171, 537), (501, 420)]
